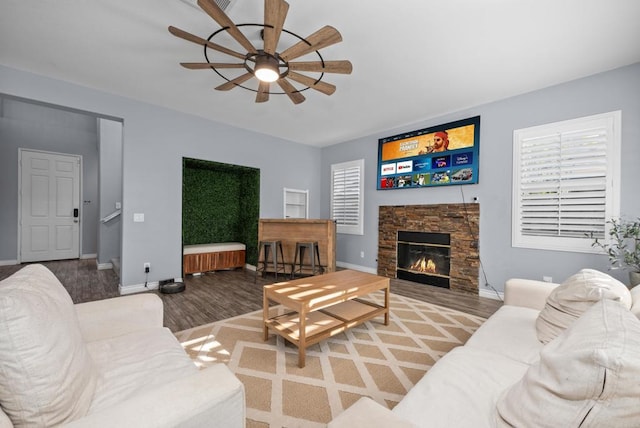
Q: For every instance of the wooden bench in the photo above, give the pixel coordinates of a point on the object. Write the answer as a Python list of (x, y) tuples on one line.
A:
[(208, 257)]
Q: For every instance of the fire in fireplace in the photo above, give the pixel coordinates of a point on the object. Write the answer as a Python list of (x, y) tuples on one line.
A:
[(424, 257)]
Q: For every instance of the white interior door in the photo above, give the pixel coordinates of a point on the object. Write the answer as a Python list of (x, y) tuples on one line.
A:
[(49, 206)]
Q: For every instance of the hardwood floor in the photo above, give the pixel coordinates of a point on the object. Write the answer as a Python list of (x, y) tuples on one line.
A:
[(81, 278), (224, 294)]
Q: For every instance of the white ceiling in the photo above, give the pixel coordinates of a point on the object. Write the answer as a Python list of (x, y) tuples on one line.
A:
[(412, 59)]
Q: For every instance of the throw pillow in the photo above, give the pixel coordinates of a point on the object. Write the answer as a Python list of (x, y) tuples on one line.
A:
[(586, 377), (573, 297), (635, 300), (46, 373)]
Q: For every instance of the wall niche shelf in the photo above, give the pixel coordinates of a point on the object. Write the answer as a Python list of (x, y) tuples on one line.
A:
[(296, 203)]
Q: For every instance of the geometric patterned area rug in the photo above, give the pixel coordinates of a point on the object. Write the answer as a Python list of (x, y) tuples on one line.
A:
[(382, 362)]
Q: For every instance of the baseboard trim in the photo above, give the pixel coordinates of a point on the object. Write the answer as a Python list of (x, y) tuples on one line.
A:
[(88, 256), (104, 266), (490, 294), (338, 264), (357, 267), (138, 288), (8, 262)]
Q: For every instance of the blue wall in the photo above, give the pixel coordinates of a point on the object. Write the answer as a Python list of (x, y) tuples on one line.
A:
[(615, 90), (155, 141), (32, 126)]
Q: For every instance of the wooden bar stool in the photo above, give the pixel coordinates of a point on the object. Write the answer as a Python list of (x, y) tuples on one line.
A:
[(277, 262), (314, 258)]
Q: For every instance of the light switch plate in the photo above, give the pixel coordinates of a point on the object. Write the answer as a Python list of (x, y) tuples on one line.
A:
[(138, 217)]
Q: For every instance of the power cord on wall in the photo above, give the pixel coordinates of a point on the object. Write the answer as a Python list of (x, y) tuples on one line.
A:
[(475, 238)]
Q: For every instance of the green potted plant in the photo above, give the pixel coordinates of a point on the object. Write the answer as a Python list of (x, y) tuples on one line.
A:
[(623, 247)]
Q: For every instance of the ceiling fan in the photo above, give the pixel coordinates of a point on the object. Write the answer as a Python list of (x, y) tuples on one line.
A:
[(269, 64)]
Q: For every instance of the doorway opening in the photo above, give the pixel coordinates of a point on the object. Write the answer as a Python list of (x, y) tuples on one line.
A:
[(42, 127)]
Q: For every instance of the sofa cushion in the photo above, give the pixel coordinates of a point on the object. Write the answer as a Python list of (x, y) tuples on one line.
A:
[(366, 413), (573, 297), (510, 331), (136, 362), (46, 374), (461, 389), (587, 376)]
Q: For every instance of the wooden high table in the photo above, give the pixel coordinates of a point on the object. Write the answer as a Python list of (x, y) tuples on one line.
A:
[(323, 306), (289, 231)]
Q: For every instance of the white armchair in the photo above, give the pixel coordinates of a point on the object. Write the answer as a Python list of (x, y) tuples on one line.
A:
[(104, 363)]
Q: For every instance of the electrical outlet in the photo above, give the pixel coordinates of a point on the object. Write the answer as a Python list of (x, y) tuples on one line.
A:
[(547, 279), (147, 267), (362, 254)]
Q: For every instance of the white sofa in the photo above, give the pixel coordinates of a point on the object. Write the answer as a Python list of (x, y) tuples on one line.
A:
[(464, 387), (107, 363)]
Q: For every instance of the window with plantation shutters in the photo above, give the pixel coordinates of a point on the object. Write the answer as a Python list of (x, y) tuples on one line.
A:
[(347, 192), (566, 182)]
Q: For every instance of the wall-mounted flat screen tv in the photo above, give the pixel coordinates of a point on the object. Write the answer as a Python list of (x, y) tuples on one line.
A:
[(441, 155)]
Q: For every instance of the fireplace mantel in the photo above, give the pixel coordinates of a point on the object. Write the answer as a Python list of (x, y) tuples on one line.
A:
[(460, 220)]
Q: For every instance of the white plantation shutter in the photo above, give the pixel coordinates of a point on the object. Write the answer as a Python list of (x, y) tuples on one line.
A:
[(347, 184), (564, 182)]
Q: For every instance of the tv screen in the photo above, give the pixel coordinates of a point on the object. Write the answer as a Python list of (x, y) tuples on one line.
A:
[(442, 155)]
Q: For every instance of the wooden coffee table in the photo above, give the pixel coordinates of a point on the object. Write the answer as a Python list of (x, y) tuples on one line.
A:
[(323, 306)]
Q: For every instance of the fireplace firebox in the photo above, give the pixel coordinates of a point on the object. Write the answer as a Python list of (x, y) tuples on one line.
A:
[(424, 257)]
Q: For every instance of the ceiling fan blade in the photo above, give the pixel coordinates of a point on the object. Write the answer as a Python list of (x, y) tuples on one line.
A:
[(208, 65), (221, 18), (235, 82), (263, 92), (293, 94), (341, 67), (275, 12), (326, 36), (200, 41), (324, 87)]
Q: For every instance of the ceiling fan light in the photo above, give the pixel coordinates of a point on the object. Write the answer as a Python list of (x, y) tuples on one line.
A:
[(266, 74), (266, 69)]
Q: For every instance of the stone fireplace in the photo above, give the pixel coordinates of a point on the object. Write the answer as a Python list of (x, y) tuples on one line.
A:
[(410, 236)]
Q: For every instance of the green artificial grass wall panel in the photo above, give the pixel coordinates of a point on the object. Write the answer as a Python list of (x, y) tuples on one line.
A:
[(220, 203)]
